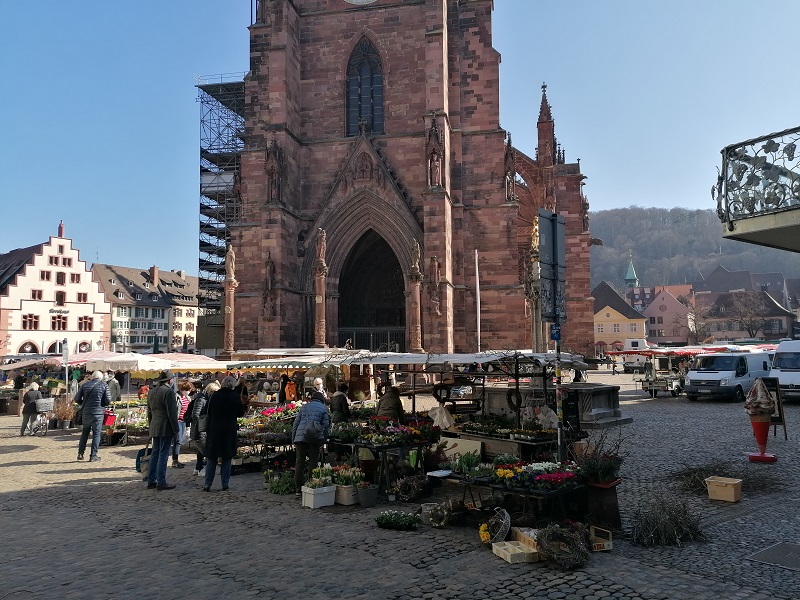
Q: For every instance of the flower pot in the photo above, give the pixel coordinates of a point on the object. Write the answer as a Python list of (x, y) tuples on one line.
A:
[(392, 497), (346, 495), (368, 497), (64, 424), (319, 497), (53, 423)]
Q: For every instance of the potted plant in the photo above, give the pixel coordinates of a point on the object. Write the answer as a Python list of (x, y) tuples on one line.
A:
[(394, 519), (367, 494), (64, 411), (346, 479), (319, 490)]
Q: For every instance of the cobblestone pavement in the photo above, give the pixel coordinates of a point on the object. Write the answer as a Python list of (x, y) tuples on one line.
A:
[(92, 530)]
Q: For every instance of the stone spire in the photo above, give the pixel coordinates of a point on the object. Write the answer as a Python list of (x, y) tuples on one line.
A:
[(544, 109)]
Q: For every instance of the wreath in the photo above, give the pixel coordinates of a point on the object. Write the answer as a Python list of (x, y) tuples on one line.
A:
[(514, 399), (408, 488), (442, 393), (439, 515), (566, 547)]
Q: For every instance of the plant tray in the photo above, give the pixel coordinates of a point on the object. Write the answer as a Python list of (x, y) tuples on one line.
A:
[(724, 488), (525, 535), (346, 495), (318, 497), (600, 538), (515, 552)]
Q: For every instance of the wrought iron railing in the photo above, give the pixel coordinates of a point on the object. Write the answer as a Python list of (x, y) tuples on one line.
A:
[(759, 176)]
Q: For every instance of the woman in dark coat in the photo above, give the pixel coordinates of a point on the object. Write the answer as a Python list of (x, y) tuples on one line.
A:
[(29, 410), (224, 407), (198, 407)]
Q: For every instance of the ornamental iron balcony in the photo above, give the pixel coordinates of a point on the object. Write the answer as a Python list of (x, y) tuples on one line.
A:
[(759, 177)]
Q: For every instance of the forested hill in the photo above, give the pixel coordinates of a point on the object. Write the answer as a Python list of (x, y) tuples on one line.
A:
[(674, 246)]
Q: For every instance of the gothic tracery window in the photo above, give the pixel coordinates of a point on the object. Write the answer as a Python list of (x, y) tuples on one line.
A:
[(364, 89)]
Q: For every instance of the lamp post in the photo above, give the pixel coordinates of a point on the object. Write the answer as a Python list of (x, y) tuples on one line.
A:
[(65, 356)]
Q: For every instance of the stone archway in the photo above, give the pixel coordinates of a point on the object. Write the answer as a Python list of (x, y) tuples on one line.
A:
[(372, 308)]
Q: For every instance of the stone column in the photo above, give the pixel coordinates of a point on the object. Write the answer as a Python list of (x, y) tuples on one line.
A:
[(533, 291), (229, 285), (320, 273), (415, 309)]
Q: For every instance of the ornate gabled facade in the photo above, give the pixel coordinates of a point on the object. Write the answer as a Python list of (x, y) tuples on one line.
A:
[(378, 124), (47, 295)]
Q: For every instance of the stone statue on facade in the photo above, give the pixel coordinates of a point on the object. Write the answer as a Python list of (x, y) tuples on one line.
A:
[(230, 263), (321, 245)]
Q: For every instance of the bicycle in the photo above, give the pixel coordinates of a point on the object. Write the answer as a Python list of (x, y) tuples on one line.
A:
[(42, 422)]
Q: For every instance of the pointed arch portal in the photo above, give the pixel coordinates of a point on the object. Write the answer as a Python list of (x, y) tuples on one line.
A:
[(372, 308)]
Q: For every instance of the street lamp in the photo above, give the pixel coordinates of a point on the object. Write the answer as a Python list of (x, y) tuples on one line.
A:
[(65, 355)]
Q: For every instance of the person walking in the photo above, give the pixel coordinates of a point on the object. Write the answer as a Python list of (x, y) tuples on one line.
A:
[(309, 432), (93, 397), (162, 416), (183, 403), (196, 433), (613, 366), (29, 409), (223, 408)]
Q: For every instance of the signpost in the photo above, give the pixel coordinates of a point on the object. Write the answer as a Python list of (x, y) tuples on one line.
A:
[(552, 260)]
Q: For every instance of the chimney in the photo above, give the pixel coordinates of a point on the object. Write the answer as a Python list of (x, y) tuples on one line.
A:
[(154, 275), (61, 229), (181, 273)]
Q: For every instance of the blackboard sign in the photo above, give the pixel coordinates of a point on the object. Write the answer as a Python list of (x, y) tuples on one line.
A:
[(777, 417)]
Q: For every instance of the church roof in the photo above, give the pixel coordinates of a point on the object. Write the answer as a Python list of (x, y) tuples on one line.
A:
[(606, 296), (630, 276)]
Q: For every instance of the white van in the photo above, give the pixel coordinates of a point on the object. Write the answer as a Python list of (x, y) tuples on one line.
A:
[(725, 375), (786, 367)]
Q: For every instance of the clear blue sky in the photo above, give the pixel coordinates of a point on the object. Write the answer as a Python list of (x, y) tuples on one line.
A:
[(99, 124)]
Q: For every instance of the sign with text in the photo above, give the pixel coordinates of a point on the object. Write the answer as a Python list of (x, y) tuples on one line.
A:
[(552, 261)]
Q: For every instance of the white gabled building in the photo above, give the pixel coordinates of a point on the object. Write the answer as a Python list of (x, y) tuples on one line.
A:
[(48, 295)]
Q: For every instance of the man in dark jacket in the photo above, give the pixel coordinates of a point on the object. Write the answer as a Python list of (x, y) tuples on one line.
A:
[(162, 415), (93, 397), (309, 432)]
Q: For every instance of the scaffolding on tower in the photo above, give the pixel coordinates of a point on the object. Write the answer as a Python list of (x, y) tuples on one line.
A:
[(221, 99)]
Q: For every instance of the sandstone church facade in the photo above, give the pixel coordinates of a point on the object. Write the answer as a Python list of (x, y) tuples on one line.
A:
[(374, 165)]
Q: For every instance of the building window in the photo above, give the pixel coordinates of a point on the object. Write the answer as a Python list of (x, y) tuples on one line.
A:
[(190, 312), (137, 296), (61, 298), (85, 323), (158, 313), (177, 340), (660, 320), (58, 323), (190, 327), (676, 331), (364, 89), (660, 333), (53, 260), (61, 278), (44, 275), (616, 327), (60, 249), (140, 312), (75, 278), (154, 297), (177, 312), (123, 311), (119, 295), (83, 297), (652, 320), (134, 339), (599, 328), (66, 262), (190, 340), (177, 327), (30, 321), (36, 294), (651, 333), (633, 327)]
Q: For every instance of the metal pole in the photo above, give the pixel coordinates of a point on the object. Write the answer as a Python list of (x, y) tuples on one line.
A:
[(558, 394), (478, 299)]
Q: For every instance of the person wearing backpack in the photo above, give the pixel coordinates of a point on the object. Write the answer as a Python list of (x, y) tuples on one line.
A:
[(309, 432)]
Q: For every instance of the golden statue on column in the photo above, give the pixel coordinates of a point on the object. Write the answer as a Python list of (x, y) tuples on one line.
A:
[(415, 282)]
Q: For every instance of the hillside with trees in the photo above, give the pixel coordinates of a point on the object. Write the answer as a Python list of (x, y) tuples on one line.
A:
[(674, 246)]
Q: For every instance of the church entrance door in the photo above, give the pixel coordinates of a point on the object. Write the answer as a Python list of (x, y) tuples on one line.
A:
[(372, 310)]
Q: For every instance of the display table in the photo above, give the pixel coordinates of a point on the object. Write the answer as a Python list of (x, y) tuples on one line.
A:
[(382, 453)]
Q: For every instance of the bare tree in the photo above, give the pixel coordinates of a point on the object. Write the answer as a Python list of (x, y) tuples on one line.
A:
[(750, 310)]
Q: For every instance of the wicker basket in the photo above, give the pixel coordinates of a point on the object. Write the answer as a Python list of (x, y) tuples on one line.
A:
[(44, 404)]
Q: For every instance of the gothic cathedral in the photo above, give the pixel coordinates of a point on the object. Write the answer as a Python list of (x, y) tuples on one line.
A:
[(374, 168)]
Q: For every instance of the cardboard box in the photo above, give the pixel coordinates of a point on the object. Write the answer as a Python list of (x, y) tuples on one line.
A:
[(526, 535), (515, 552), (600, 539), (724, 488)]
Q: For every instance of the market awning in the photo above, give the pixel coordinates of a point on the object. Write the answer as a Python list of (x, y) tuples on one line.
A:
[(31, 362)]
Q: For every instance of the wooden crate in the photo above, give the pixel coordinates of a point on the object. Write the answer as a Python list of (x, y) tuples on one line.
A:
[(515, 552), (600, 538), (724, 488), (526, 535)]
